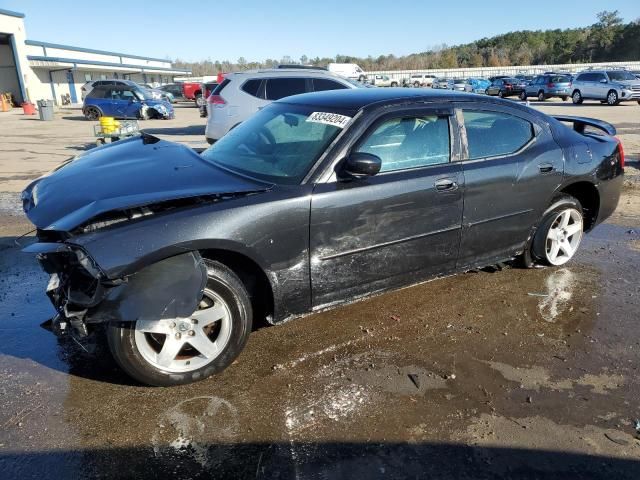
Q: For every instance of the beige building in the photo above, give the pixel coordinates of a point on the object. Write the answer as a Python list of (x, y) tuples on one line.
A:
[(35, 70)]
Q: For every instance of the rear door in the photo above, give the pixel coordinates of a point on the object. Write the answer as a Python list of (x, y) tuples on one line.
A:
[(511, 167), (495, 87), (394, 228)]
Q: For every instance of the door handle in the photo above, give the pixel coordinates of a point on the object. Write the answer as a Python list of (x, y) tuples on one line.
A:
[(446, 185), (545, 168)]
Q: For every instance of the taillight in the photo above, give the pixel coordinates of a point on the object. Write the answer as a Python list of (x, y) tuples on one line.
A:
[(620, 152), (216, 100), (551, 85), (508, 85)]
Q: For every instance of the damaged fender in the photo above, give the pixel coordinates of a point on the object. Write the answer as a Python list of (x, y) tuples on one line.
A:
[(170, 288)]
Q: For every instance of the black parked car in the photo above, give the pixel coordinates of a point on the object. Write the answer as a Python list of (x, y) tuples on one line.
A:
[(505, 87), (316, 200), (174, 89)]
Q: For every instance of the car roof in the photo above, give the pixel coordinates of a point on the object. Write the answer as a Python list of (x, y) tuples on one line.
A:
[(284, 72), (355, 99)]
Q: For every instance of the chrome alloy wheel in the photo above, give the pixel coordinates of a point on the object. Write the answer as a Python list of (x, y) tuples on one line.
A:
[(181, 345), (564, 237)]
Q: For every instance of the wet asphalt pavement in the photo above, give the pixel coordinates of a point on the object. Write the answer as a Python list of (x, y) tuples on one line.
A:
[(493, 374)]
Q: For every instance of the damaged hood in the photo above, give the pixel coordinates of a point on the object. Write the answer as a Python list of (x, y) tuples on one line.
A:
[(130, 173)]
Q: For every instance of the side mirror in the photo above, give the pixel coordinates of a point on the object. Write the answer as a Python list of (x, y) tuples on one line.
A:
[(360, 164), (604, 80)]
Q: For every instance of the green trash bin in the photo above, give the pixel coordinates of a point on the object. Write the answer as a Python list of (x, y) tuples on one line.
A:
[(45, 108)]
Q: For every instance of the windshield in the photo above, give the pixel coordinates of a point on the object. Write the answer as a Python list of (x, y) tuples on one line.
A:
[(143, 94), (355, 83), (621, 75), (560, 79), (280, 143)]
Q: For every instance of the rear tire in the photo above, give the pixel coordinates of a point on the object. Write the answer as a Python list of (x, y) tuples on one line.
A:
[(576, 97), (199, 100), (523, 96), (560, 232), (541, 96), (139, 352), (394, 84), (92, 113), (500, 94)]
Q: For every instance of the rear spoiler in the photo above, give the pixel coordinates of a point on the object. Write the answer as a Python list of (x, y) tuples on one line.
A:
[(580, 123)]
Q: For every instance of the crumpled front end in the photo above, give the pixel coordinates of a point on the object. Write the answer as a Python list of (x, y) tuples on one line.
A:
[(82, 294)]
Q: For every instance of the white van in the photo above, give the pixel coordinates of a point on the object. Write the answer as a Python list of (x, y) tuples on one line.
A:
[(348, 70)]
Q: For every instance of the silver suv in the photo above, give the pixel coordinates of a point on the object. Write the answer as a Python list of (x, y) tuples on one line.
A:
[(242, 94), (609, 86)]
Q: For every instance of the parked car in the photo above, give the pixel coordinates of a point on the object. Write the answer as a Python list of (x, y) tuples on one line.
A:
[(174, 89), (476, 85), (608, 86), (505, 87), (419, 80), (124, 101), (282, 218), (547, 86), (208, 89), (242, 94), (497, 77), (382, 81), (348, 70), (153, 92), (459, 84), (442, 83)]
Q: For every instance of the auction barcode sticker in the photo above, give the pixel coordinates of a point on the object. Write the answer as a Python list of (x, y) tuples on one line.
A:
[(327, 118)]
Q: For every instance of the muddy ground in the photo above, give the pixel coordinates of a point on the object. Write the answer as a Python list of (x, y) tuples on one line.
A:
[(492, 374)]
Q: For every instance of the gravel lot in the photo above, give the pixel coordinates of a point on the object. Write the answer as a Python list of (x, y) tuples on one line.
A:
[(492, 374)]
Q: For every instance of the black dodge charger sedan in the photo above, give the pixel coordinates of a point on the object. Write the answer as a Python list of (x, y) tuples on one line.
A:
[(317, 200)]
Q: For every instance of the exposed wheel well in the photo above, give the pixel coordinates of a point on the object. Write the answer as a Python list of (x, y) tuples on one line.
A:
[(252, 276), (588, 196)]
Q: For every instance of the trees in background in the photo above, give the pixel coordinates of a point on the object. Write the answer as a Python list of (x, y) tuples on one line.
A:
[(609, 39)]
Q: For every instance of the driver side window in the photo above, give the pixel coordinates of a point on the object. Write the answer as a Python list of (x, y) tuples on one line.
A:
[(409, 142)]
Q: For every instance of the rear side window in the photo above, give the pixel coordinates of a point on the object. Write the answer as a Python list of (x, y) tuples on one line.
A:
[(251, 87), (278, 88), (322, 84), (491, 134), (409, 142), (97, 92)]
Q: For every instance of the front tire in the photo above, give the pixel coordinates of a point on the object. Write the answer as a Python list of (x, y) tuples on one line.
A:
[(199, 100), (178, 351), (612, 98), (576, 97), (523, 96), (558, 237), (394, 84), (541, 96)]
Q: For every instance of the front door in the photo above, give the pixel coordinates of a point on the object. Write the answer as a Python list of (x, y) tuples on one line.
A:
[(397, 227), (513, 166)]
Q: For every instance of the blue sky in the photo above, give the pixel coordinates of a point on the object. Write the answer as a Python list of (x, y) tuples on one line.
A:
[(260, 29)]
